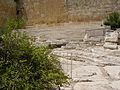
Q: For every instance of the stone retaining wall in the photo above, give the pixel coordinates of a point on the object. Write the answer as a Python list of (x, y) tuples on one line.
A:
[(90, 10), (56, 11), (44, 11)]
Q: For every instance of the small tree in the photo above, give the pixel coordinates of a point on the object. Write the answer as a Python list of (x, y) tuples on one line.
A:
[(113, 20), (26, 67), (13, 24)]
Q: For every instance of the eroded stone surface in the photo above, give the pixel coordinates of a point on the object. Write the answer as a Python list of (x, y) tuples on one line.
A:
[(111, 40), (113, 71), (115, 85), (109, 45), (93, 86), (91, 67), (111, 36)]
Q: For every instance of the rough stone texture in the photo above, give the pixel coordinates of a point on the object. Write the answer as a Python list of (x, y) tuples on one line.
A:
[(86, 10), (115, 69), (111, 37), (91, 67), (43, 11), (55, 11), (94, 35), (115, 84), (92, 86), (109, 45), (118, 30), (7, 10), (111, 40), (56, 43)]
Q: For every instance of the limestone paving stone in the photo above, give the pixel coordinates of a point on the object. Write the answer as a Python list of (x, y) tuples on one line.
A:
[(93, 86), (113, 71), (111, 40), (111, 36), (115, 85), (109, 45), (87, 74), (91, 67)]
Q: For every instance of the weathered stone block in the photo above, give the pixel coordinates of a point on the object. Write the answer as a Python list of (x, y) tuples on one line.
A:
[(109, 45), (56, 11), (111, 37), (56, 43), (43, 11), (85, 39)]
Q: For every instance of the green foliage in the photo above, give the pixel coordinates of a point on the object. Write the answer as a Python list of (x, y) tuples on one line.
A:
[(1, 31), (13, 24), (26, 67), (113, 20)]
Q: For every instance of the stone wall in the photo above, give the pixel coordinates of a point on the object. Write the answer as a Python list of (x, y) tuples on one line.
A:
[(55, 11), (7, 10), (43, 11), (91, 10)]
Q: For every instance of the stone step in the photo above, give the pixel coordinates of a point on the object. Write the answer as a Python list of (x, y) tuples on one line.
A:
[(90, 57)]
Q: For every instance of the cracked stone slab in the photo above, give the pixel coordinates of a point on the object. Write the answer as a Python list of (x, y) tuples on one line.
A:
[(109, 45), (91, 67), (113, 71), (111, 36), (86, 74), (93, 55), (93, 86), (115, 85)]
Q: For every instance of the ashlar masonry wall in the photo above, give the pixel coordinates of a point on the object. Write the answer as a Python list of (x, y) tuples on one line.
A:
[(56, 11)]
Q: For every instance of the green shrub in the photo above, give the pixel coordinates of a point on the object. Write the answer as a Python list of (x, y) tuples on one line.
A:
[(113, 20), (13, 24), (26, 67)]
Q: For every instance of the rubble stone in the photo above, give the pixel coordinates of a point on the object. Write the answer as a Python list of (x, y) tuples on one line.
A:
[(111, 37), (111, 40), (109, 45), (56, 43)]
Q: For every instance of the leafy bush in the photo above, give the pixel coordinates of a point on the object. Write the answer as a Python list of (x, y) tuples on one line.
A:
[(26, 67), (14, 23), (113, 20)]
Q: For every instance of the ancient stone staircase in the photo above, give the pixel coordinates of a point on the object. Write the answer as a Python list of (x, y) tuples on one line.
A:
[(90, 67)]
